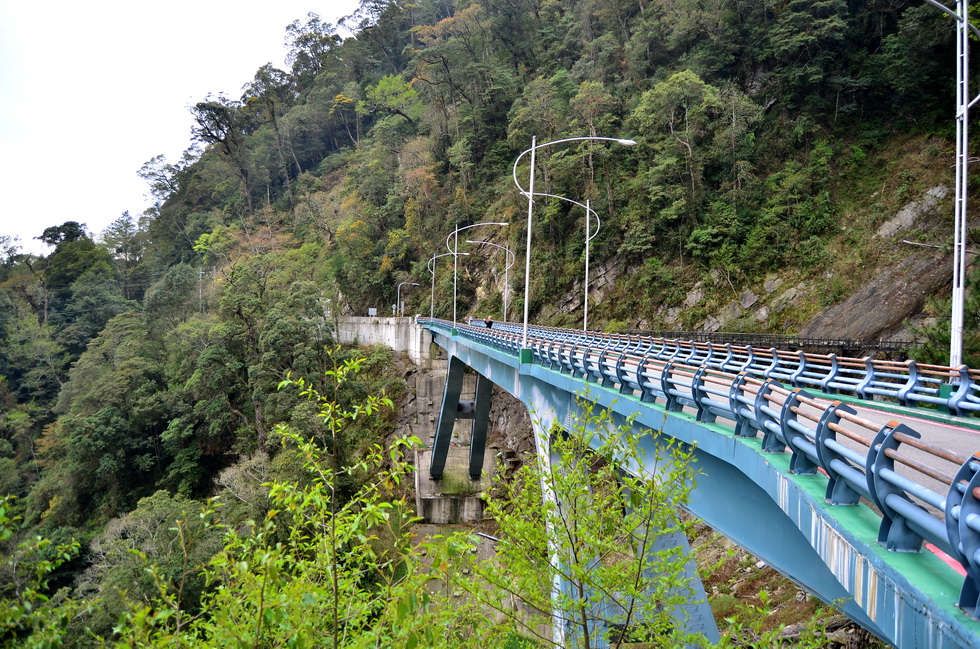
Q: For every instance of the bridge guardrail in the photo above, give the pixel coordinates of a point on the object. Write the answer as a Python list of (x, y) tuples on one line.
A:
[(909, 383), (923, 493)]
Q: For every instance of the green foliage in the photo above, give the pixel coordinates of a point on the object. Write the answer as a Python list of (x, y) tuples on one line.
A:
[(316, 569), (933, 336), (29, 615), (174, 535), (576, 517), (393, 95)]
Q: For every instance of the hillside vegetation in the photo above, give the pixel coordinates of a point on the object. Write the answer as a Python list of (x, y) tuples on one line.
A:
[(773, 139)]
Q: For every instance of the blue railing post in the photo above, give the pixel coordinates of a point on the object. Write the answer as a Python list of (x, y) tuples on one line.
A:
[(768, 371), (744, 426), (697, 391), (624, 387), (832, 375), (802, 463), (963, 389), (794, 378), (839, 490), (894, 532), (910, 384), (962, 509), (861, 389), (769, 419), (647, 395), (673, 403)]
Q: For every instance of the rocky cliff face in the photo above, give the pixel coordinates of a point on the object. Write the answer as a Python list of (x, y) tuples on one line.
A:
[(880, 309), (888, 298)]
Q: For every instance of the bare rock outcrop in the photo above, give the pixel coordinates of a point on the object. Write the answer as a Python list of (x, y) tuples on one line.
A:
[(912, 214), (885, 302)]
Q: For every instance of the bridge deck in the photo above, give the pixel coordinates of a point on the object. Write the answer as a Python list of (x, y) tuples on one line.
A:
[(779, 505)]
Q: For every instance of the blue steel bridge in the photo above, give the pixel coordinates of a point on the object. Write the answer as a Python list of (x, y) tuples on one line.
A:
[(857, 478)]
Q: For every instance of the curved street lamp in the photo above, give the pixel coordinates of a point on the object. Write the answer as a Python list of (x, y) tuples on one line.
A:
[(529, 192), (454, 235), (398, 297), (431, 265), (509, 259), (963, 104)]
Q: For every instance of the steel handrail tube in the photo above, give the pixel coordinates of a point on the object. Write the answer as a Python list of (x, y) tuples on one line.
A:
[(910, 487), (854, 478), (920, 522)]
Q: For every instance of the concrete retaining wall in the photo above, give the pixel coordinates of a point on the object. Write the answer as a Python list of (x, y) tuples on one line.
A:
[(401, 334)]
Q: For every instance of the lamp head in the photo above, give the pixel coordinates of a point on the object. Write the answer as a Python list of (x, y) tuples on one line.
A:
[(627, 142)]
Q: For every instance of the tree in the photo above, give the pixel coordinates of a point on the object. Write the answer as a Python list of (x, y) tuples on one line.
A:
[(96, 297), (36, 366), (165, 179), (806, 40), (68, 231), (29, 617), (127, 239), (318, 569), (393, 95), (9, 253), (590, 518), (174, 534), (221, 122), (310, 44)]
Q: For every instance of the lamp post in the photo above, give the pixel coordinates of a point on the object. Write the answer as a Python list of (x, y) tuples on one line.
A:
[(431, 265), (525, 352), (963, 103), (509, 259), (589, 236), (454, 235), (398, 297)]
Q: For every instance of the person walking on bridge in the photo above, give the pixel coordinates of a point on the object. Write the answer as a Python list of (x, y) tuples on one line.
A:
[(488, 322)]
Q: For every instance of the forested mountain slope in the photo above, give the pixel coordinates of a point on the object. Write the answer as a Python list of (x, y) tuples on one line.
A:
[(773, 139)]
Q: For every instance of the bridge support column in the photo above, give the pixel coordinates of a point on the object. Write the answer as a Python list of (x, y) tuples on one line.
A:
[(454, 408), (481, 425), (693, 615)]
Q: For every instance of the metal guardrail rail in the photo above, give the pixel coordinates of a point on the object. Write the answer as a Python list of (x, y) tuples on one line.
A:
[(764, 391), (767, 341), (953, 389)]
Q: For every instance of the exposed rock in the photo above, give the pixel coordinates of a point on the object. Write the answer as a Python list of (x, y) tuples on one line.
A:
[(913, 212), (788, 296), (772, 283), (602, 277), (892, 297), (729, 312), (748, 299), (695, 296), (510, 423)]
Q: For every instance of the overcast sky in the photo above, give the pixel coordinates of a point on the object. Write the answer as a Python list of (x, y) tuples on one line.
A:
[(89, 91)]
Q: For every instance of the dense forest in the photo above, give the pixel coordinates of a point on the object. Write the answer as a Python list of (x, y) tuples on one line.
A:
[(139, 366)]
